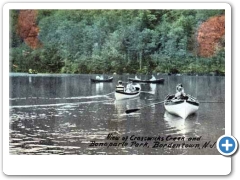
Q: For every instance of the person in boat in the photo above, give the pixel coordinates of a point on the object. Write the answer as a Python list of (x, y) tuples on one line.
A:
[(180, 92), (130, 88), (153, 78), (97, 77), (30, 71), (136, 77), (120, 86), (101, 77)]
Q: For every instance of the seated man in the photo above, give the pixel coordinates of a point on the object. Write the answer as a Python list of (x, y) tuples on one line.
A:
[(179, 91), (98, 77), (136, 77), (153, 78), (130, 88), (119, 87)]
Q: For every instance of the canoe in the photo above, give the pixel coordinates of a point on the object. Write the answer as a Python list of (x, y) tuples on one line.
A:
[(102, 80), (161, 80), (182, 107), (119, 95)]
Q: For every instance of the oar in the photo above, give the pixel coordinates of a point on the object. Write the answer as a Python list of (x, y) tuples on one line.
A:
[(149, 92), (109, 93), (211, 101), (134, 110)]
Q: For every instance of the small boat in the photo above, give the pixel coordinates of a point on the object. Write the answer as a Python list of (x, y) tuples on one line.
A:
[(32, 71), (161, 80), (119, 95), (181, 106), (102, 80)]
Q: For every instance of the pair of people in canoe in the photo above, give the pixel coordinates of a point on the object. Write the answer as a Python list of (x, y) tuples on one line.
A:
[(129, 88)]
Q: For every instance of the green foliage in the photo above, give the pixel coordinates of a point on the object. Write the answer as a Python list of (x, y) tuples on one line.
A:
[(15, 40), (203, 15), (109, 41)]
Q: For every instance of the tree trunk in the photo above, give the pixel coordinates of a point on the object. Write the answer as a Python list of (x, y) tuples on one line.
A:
[(140, 58)]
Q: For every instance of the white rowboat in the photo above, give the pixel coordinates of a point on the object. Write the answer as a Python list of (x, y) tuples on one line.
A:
[(119, 95), (182, 107)]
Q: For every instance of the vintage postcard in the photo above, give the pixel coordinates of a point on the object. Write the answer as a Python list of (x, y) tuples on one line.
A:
[(118, 79)]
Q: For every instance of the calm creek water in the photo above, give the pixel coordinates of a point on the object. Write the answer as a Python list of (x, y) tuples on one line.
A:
[(62, 114)]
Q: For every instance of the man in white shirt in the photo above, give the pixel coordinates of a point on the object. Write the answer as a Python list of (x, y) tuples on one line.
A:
[(119, 87), (130, 88), (98, 77), (153, 78), (136, 77), (179, 91)]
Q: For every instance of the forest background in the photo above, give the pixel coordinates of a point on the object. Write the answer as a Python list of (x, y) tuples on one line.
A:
[(117, 41)]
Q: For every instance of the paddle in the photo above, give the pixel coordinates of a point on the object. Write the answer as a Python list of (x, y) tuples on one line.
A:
[(109, 93), (211, 101), (137, 109), (149, 92), (134, 110)]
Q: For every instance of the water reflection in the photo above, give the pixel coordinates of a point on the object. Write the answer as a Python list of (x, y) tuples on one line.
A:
[(153, 88), (175, 122), (30, 79), (182, 126), (99, 87)]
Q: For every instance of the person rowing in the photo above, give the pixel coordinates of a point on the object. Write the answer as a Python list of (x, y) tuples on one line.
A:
[(120, 86), (130, 88), (136, 77), (153, 78), (179, 92), (98, 77)]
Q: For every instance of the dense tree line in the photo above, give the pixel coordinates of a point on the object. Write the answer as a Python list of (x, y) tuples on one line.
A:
[(108, 41)]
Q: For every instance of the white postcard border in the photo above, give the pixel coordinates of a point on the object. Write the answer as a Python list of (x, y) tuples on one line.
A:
[(114, 164)]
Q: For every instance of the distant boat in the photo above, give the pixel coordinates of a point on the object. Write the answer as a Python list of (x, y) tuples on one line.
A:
[(161, 80), (182, 107), (119, 95), (32, 71), (102, 80)]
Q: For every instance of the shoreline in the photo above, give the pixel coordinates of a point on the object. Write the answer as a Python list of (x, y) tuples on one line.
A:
[(155, 74)]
